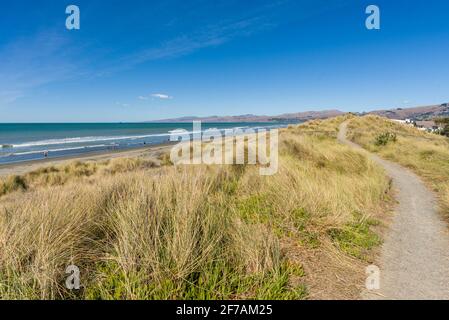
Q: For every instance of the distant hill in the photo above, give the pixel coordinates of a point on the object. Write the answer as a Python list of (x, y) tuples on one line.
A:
[(299, 116), (417, 113)]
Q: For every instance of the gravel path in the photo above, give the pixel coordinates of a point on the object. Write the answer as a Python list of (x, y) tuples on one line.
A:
[(414, 261)]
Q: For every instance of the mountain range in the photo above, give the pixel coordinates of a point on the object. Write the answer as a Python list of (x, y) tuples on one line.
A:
[(416, 113), (299, 116)]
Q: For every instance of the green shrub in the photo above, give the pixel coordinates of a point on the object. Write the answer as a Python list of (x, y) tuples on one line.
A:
[(384, 138)]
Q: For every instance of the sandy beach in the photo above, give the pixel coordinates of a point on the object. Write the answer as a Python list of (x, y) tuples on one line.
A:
[(147, 152)]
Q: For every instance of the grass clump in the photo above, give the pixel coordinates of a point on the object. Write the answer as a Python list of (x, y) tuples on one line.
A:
[(356, 239), (165, 160), (255, 208), (11, 184), (384, 138)]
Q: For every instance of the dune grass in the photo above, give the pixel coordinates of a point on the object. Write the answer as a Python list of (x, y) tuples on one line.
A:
[(140, 231), (426, 154)]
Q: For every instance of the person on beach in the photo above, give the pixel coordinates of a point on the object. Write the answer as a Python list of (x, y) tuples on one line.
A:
[(45, 154)]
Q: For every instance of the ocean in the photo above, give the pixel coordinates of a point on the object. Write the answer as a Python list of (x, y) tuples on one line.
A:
[(25, 142)]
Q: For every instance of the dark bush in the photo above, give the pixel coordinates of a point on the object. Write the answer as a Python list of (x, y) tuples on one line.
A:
[(384, 138)]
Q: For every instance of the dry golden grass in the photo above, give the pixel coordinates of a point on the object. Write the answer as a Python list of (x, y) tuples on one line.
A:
[(75, 171), (137, 231), (136, 235), (425, 153)]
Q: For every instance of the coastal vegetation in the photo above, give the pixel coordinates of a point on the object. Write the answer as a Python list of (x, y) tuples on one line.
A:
[(425, 153), (444, 123), (144, 229)]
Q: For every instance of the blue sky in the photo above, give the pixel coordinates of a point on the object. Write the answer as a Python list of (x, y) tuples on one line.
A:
[(143, 60)]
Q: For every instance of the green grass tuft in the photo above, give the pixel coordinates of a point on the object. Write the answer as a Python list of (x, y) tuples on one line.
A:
[(356, 239)]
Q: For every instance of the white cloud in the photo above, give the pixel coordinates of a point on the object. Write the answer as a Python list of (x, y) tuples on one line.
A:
[(161, 96), (125, 105)]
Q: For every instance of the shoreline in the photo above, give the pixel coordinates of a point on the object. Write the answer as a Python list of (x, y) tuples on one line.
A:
[(23, 167)]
